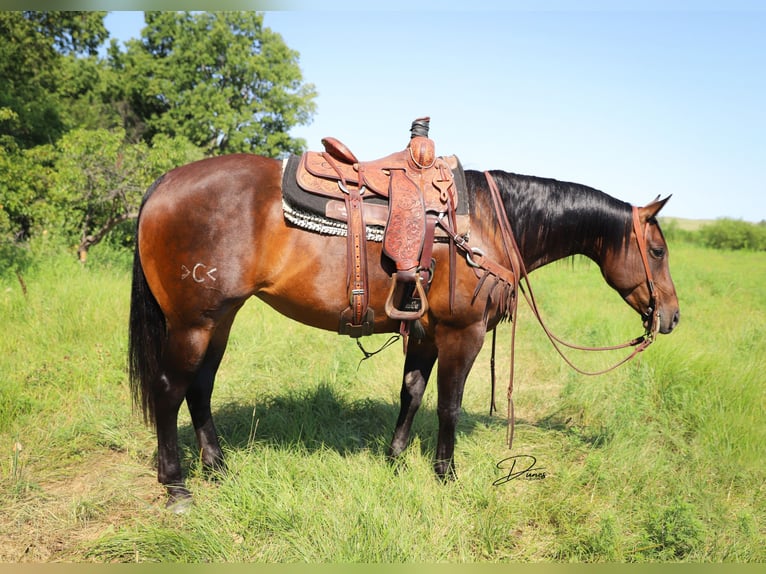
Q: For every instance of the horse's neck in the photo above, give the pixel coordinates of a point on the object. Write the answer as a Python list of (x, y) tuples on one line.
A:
[(539, 250), (545, 236)]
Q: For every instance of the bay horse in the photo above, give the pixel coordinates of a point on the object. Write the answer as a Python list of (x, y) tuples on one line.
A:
[(212, 233)]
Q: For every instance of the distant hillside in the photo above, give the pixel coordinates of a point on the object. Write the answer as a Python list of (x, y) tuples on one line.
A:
[(685, 224)]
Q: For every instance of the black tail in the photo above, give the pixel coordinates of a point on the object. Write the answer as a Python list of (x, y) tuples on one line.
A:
[(147, 332)]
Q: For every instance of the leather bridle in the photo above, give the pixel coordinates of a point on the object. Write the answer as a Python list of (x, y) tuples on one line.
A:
[(652, 315), (477, 259)]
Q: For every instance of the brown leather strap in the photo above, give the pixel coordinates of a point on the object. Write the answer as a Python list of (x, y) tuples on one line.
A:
[(428, 247), (641, 239), (357, 279), (356, 319), (448, 193), (512, 252), (506, 234)]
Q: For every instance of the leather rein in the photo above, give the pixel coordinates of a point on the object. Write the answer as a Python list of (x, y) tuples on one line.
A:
[(476, 258)]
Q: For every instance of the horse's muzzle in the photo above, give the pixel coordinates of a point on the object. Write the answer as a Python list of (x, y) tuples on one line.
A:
[(667, 322), (672, 324)]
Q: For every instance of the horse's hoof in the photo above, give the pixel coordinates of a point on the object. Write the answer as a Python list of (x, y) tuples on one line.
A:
[(179, 501), (397, 464), (445, 472), (179, 505)]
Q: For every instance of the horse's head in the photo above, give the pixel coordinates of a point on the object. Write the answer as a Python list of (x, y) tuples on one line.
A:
[(640, 273)]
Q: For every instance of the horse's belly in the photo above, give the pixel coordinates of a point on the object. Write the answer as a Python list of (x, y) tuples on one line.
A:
[(318, 300), (312, 288)]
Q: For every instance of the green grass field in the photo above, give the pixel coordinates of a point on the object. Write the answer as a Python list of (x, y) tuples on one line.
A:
[(661, 460)]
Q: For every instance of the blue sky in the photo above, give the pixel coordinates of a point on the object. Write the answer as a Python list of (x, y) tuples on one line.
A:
[(637, 103)]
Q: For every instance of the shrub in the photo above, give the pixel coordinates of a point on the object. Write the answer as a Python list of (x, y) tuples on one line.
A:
[(734, 234), (674, 233)]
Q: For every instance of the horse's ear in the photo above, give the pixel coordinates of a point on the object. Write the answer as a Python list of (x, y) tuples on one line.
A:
[(652, 209)]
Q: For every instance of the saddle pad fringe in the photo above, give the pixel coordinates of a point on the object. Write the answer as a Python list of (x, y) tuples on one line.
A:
[(324, 226)]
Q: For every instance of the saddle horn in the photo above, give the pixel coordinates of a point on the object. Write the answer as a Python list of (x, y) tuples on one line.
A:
[(421, 146), (420, 127)]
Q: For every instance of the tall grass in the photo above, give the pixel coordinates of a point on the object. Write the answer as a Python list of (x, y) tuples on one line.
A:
[(660, 460)]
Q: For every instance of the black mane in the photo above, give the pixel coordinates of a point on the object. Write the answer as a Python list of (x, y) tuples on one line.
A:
[(553, 219)]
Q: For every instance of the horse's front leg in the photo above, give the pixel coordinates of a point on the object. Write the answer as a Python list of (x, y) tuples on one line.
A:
[(458, 349), (418, 364)]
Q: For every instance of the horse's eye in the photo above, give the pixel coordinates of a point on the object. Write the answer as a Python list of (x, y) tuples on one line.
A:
[(658, 252)]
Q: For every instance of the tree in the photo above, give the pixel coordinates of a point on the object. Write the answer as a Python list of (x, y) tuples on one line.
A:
[(101, 180), (82, 137), (734, 234), (220, 79), (25, 179), (33, 46)]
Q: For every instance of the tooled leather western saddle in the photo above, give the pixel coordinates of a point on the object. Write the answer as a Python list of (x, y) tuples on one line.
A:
[(416, 190)]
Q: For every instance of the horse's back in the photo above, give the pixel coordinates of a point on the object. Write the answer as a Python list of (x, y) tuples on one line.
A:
[(234, 173)]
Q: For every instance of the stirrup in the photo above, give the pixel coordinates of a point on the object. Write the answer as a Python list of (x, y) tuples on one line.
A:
[(400, 315)]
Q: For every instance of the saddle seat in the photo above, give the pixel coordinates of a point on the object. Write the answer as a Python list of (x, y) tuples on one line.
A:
[(419, 188)]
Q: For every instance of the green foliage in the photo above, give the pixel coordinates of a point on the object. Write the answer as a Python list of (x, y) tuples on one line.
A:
[(734, 234), (101, 179), (674, 233), (84, 94), (674, 531), (220, 79), (70, 32), (26, 175), (32, 49), (724, 233), (82, 137), (81, 188)]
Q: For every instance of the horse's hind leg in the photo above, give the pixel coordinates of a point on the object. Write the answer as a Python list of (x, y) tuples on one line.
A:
[(183, 356), (199, 394), (418, 364)]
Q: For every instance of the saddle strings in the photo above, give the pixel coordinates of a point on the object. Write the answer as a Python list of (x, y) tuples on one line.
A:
[(367, 354)]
